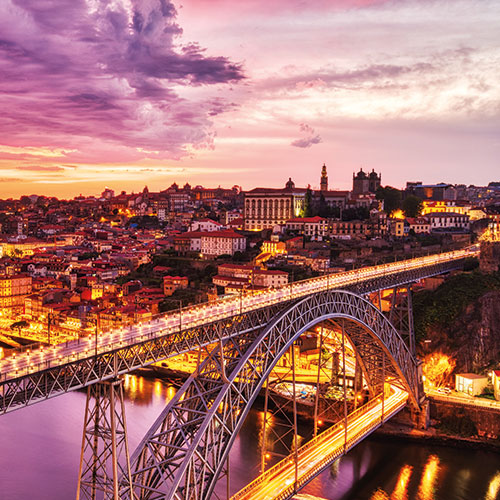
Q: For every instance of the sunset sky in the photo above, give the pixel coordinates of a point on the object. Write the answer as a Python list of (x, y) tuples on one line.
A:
[(124, 93)]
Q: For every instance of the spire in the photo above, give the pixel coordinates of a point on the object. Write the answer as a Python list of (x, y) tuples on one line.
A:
[(324, 179)]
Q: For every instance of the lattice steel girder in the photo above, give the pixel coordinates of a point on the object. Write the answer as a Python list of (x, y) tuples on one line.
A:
[(53, 381), (104, 456), (180, 458)]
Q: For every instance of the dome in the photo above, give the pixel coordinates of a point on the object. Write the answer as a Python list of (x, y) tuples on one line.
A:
[(361, 175)]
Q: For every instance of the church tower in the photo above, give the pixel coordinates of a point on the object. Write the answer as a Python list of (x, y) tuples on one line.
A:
[(324, 179)]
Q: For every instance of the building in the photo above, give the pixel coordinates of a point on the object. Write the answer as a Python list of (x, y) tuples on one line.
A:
[(440, 191), (324, 179), (495, 381), (396, 227), (470, 383), (265, 208), (366, 183), (315, 228), (188, 242), (419, 225), (273, 247), (14, 289), (448, 220), (173, 283), (205, 225), (454, 206), (236, 277), (216, 243)]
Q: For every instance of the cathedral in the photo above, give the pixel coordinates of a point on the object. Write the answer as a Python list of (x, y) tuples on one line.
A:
[(363, 183)]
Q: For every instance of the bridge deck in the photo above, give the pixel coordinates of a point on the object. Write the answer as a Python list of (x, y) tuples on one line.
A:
[(278, 482), (46, 372)]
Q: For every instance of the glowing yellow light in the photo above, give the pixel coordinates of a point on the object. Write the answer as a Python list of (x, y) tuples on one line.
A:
[(401, 490), (437, 368), (379, 495), (493, 487), (427, 483)]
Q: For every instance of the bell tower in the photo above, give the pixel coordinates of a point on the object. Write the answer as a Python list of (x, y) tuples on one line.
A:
[(324, 179)]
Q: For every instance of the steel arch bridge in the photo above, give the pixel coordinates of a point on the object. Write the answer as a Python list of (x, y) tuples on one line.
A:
[(184, 452)]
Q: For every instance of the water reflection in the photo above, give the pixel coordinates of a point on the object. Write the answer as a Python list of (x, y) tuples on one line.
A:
[(401, 490), (493, 488), (429, 477), (145, 392)]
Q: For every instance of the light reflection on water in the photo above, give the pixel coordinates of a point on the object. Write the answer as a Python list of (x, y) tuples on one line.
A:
[(40, 446), (401, 490), (429, 478)]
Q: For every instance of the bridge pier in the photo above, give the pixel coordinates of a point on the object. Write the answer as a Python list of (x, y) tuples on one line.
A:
[(104, 443), (401, 315)]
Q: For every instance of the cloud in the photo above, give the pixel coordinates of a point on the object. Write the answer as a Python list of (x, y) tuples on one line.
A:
[(11, 179), (77, 72), (41, 168), (34, 151), (310, 137), (328, 78)]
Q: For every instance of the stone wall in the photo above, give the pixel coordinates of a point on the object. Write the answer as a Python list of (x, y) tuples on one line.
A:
[(485, 420), (489, 261)]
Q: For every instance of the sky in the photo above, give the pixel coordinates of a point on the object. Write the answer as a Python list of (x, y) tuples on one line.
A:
[(128, 93)]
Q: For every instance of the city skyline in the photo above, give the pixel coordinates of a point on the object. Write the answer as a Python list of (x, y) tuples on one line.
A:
[(246, 93)]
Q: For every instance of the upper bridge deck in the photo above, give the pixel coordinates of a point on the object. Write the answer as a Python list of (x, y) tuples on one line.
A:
[(48, 371)]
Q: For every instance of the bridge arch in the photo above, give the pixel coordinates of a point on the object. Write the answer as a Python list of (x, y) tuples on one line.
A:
[(182, 455)]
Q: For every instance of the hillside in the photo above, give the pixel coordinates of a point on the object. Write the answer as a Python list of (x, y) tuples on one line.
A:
[(461, 318)]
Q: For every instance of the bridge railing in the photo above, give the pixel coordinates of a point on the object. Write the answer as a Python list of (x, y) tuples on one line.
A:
[(172, 322)]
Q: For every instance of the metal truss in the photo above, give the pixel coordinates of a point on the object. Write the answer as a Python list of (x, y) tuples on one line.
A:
[(401, 314), (286, 430), (53, 381), (104, 458), (183, 453), (41, 385)]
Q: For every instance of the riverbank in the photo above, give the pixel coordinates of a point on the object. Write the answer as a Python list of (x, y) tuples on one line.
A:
[(432, 436)]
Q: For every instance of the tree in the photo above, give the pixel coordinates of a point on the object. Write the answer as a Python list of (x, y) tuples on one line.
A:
[(323, 209), (308, 209), (412, 206), (391, 198)]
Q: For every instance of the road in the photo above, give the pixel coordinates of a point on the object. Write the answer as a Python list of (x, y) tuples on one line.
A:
[(24, 363), (463, 399), (278, 481)]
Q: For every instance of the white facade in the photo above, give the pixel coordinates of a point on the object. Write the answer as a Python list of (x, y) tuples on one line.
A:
[(222, 242), (207, 225), (470, 383), (447, 220)]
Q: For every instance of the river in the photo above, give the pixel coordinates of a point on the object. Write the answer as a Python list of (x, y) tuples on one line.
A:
[(40, 446)]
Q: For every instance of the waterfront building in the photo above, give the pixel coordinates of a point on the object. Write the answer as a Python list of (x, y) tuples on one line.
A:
[(470, 383)]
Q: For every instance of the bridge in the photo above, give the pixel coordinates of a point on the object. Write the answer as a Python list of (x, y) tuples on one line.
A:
[(240, 341)]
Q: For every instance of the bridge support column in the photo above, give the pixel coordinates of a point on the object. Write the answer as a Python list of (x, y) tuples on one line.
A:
[(401, 315), (104, 455)]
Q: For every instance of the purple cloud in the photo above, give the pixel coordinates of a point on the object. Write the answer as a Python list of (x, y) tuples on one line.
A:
[(76, 71), (310, 137)]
